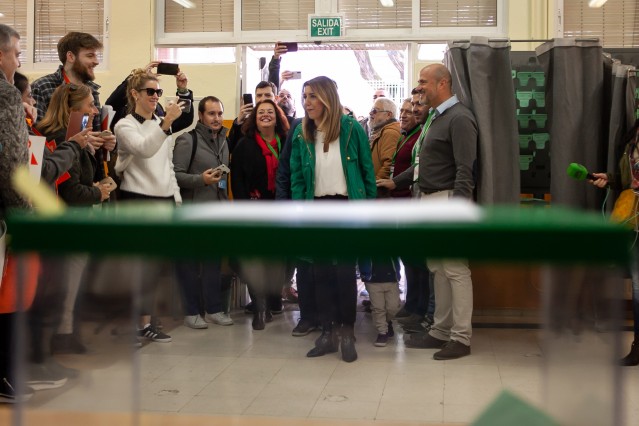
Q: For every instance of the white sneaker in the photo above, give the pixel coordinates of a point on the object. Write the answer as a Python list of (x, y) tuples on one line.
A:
[(195, 321), (219, 318)]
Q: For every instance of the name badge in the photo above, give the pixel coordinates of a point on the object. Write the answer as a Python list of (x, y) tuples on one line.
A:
[(392, 170), (222, 184)]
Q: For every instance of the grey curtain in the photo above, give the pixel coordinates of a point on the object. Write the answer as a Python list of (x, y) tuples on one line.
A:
[(482, 81), (577, 120)]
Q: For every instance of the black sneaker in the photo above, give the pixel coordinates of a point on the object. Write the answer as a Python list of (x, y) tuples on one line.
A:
[(153, 334), (303, 328), (41, 376), (8, 394), (382, 340), (452, 350)]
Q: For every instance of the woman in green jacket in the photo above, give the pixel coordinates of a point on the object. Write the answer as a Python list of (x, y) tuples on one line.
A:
[(331, 160)]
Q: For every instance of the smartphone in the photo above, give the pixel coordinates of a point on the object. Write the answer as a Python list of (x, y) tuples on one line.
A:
[(296, 75), (247, 98), (167, 68), (290, 47), (223, 168), (105, 133), (186, 104), (78, 121)]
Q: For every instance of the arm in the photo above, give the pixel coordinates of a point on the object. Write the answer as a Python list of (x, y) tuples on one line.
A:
[(274, 70), (365, 161), (143, 142), (55, 163), (463, 131), (238, 173), (385, 150), (185, 120), (235, 134), (118, 101), (181, 157), (298, 184), (283, 178), (14, 139), (73, 192)]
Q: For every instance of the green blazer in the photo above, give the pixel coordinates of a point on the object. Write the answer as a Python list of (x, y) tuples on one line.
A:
[(356, 162)]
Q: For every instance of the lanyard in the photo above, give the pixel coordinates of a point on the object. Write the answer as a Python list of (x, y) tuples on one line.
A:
[(270, 147), (418, 144), (402, 140)]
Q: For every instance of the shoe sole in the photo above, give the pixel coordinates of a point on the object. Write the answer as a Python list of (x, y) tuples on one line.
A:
[(448, 358), (46, 384), (196, 327), (380, 345)]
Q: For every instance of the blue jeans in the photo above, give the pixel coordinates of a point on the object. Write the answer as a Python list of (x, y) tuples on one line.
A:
[(200, 283)]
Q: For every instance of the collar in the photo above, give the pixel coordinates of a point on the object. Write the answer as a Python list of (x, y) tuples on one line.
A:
[(445, 105), (204, 130), (385, 123), (139, 118), (406, 132)]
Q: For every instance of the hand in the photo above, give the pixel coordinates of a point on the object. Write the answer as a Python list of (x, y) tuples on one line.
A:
[(173, 111), (82, 138), (104, 191), (279, 50), (286, 75), (30, 111), (108, 141), (601, 180), (211, 176), (95, 140), (181, 81), (149, 67), (386, 183), (245, 111)]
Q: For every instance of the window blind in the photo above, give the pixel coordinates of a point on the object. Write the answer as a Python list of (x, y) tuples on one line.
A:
[(460, 13), (15, 15), (276, 14), (207, 16), (616, 24), (55, 18), (361, 14)]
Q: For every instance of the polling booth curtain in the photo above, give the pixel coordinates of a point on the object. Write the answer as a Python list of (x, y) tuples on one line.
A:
[(574, 72), (482, 80), (623, 84)]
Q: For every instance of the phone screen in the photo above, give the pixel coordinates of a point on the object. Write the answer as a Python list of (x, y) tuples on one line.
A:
[(167, 68), (85, 121)]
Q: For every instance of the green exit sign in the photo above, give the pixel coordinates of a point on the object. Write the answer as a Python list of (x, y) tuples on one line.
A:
[(325, 26)]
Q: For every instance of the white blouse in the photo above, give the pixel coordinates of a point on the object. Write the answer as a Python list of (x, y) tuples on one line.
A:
[(329, 173)]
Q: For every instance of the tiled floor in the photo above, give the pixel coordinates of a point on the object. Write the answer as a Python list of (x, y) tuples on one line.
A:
[(235, 371)]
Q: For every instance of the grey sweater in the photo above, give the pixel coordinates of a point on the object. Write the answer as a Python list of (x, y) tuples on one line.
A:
[(449, 153)]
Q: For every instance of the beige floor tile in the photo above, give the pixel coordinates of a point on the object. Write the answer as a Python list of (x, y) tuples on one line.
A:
[(217, 404), (281, 407), (338, 407), (462, 413), (426, 411)]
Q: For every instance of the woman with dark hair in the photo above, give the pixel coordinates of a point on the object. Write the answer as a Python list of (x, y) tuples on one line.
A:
[(331, 160), (253, 171), (628, 177)]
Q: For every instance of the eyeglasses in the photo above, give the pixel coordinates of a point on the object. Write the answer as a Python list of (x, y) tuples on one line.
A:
[(151, 91), (375, 111)]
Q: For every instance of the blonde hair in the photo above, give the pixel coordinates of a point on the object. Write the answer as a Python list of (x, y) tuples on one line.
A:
[(65, 99), (330, 123), (136, 81)]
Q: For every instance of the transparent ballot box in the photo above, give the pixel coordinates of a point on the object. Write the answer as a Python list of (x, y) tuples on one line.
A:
[(87, 281)]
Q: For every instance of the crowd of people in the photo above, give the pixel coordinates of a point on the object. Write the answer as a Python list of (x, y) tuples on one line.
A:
[(425, 149)]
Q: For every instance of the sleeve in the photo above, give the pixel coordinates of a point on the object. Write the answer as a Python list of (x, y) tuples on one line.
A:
[(55, 163), (283, 178), (298, 184), (365, 162), (234, 136), (40, 96), (144, 142), (177, 196), (274, 71), (463, 131), (405, 178), (118, 101), (239, 173), (181, 158), (185, 120), (74, 192), (385, 150), (14, 153)]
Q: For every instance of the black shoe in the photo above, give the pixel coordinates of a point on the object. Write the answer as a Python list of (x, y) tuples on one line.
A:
[(67, 344), (8, 394), (303, 328), (424, 341), (632, 358), (259, 321), (268, 316), (403, 313), (327, 343), (349, 354), (390, 332), (249, 308), (416, 328), (452, 350), (411, 319), (382, 340)]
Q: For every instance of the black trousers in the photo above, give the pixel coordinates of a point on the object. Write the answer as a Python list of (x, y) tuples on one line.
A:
[(417, 286), (335, 292), (306, 291)]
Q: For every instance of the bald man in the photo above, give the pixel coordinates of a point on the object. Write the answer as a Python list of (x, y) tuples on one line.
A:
[(446, 160)]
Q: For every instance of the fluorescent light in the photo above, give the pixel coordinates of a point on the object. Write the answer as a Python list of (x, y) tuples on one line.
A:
[(596, 3), (387, 3), (185, 3)]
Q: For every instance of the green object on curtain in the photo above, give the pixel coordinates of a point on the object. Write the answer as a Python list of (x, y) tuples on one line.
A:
[(509, 410)]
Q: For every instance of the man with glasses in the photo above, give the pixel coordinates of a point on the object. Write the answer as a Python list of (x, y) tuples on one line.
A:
[(385, 132)]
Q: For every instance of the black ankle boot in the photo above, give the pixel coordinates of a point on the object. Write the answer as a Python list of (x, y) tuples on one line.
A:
[(633, 357), (349, 354), (258, 320), (327, 343)]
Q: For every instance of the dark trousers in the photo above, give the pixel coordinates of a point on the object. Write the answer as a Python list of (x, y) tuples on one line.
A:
[(7, 346), (200, 283), (417, 286), (306, 292), (335, 292)]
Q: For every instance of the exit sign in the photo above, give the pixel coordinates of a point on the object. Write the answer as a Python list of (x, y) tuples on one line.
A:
[(325, 26)]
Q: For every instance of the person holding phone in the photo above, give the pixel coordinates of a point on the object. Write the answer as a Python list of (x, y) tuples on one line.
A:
[(145, 166), (263, 90), (119, 101)]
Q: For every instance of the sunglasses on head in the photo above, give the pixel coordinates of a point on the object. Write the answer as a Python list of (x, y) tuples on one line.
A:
[(151, 91)]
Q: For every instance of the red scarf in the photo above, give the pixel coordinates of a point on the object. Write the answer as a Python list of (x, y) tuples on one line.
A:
[(271, 161)]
